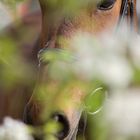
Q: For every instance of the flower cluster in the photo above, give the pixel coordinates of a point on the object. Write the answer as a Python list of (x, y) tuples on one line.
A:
[(113, 61), (108, 59), (14, 130), (122, 112)]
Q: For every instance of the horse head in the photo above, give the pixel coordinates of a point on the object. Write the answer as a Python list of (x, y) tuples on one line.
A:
[(102, 16)]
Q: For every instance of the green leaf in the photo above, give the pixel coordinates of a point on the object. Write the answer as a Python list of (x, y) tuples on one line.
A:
[(94, 101)]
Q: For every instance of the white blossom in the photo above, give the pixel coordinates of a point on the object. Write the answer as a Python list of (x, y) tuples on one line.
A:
[(104, 59), (82, 44), (115, 72), (135, 50), (14, 130), (122, 112), (5, 17)]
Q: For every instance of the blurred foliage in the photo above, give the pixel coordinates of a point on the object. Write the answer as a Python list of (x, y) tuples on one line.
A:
[(13, 68), (69, 6), (95, 100), (56, 10), (12, 4), (59, 80)]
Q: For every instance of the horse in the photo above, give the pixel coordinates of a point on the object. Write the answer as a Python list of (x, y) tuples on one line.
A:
[(105, 16)]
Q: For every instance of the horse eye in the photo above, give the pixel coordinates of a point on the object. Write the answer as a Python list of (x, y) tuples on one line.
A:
[(106, 4)]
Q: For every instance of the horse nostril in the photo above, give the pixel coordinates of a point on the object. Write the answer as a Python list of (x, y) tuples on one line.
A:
[(62, 120)]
